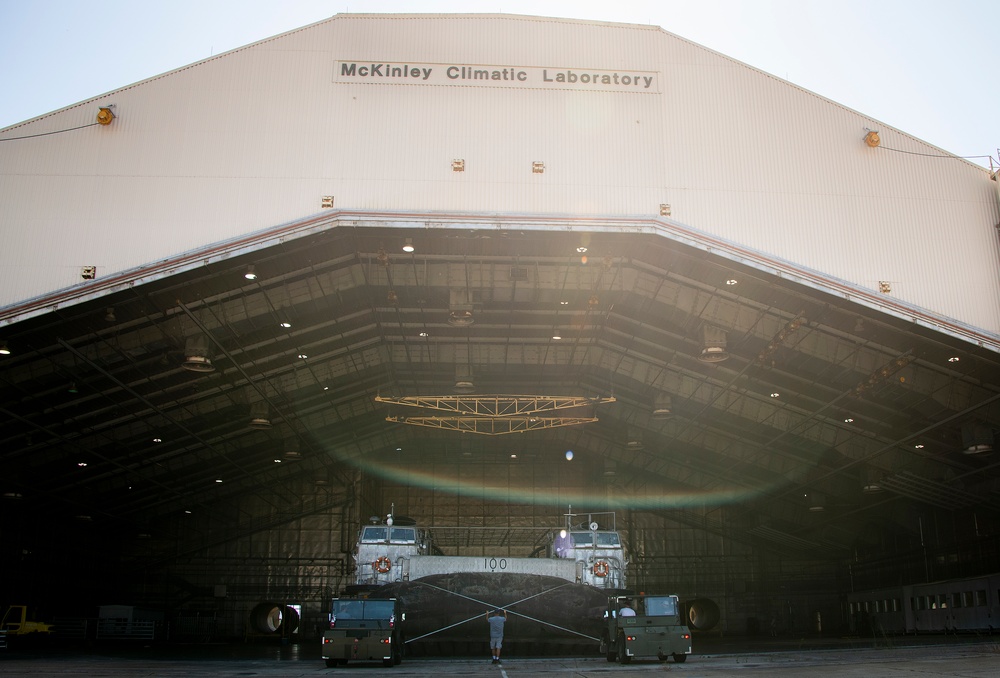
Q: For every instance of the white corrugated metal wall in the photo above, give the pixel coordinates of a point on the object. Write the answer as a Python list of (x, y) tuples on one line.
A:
[(253, 138)]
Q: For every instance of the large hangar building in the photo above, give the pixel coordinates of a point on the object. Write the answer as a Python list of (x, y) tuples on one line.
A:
[(224, 287)]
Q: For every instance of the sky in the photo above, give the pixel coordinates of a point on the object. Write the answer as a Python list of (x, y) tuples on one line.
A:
[(926, 67)]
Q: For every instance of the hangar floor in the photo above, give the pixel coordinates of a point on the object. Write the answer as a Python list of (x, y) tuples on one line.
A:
[(966, 656)]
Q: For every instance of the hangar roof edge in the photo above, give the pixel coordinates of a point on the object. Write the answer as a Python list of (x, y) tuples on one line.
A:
[(638, 224)]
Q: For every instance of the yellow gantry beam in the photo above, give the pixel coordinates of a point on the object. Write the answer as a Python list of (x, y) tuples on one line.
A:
[(492, 426), (495, 405)]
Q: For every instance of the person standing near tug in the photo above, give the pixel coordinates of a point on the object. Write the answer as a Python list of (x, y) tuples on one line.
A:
[(497, 618)]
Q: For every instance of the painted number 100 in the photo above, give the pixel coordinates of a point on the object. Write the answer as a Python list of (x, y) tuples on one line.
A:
[(495, 563)]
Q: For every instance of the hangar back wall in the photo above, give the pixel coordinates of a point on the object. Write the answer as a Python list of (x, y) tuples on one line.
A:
[(624, 119)]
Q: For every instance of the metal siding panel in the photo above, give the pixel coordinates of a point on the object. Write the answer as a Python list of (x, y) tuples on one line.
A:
[(254, 138)]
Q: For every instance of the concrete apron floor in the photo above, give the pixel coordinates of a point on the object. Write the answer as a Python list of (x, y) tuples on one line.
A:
[(970, 658)]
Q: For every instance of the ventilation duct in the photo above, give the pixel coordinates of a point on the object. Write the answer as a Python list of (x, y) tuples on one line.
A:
[(196, 355), (714, 350)]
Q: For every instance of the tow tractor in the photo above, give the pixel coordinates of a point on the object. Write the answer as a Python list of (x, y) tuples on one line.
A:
[(363, 629), (645, 626)]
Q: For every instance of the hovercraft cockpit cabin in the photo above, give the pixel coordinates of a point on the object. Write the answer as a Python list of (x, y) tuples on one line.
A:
[(585, 553)]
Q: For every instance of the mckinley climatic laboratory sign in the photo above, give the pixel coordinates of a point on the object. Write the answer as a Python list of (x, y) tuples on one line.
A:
[(536, 77)]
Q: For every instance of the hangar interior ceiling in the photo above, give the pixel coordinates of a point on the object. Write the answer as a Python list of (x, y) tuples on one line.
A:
[(815, 418)]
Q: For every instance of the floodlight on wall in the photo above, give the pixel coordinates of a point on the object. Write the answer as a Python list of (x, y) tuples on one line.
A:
[(714, 350), (408, 245), (196, 355), (663, 407), (260, 416), (105, 115)]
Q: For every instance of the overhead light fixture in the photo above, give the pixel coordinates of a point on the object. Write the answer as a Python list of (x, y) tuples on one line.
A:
[(977, 438), (196, 355), (714, 349), (460, 318), (775, 394), (72, 388), (408, 245), (3, 348), (954, 359), (109, 315), (817, 502), (732, 281), (251, 274), (460, 307), (557, 337), (663, 407), (392, 297), (260, 416), (581, 249), (871, 481), (424, 334), (633, 438), (292, 452), (463, 379), (303, 356)]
